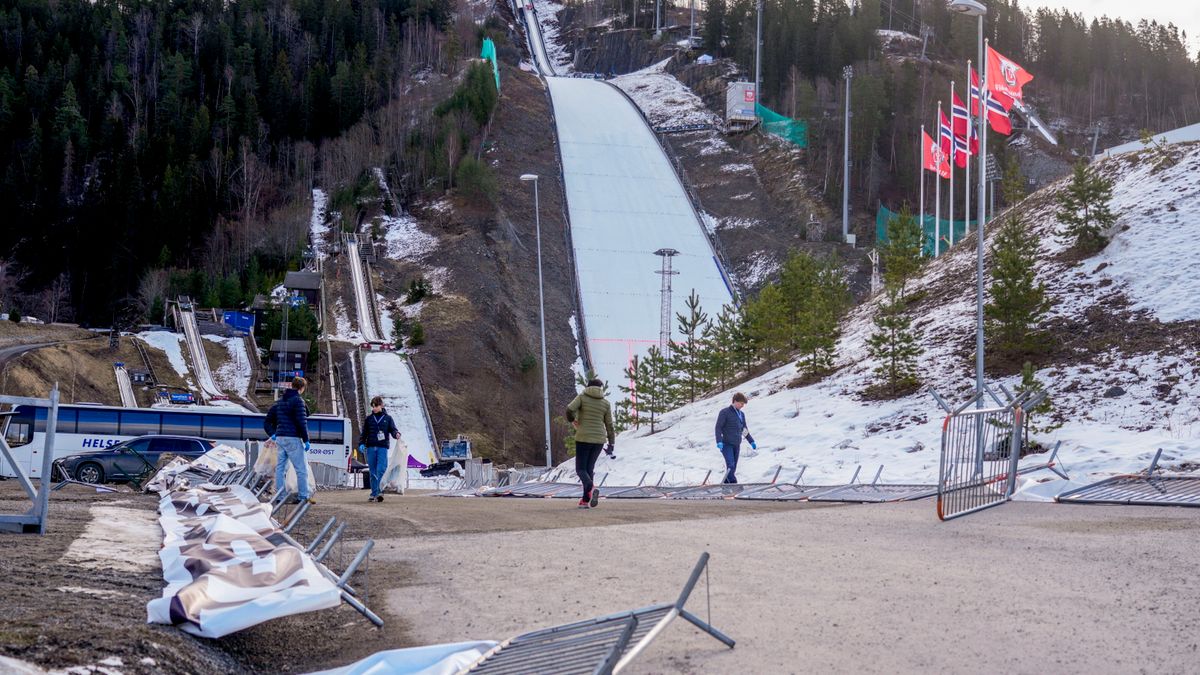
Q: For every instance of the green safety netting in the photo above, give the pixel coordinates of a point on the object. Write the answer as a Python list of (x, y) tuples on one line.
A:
[(489, 52), (885, 215), (786, 128)]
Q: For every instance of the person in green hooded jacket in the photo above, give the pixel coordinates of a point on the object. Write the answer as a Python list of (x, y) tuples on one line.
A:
[(591, 415)]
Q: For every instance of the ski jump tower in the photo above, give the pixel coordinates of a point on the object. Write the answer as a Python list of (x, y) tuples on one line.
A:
[(664, 331)]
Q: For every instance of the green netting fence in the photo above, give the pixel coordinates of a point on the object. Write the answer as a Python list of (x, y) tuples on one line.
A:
[(489, 52), (885, 216), (795, 131)]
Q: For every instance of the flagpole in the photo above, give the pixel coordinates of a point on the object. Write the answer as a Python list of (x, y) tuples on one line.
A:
[(953, 154), (937, 191), (921, 173), (982, 226), (970, 156)]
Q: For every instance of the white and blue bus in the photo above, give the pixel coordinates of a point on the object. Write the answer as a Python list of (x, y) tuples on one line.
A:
[(90, 427)]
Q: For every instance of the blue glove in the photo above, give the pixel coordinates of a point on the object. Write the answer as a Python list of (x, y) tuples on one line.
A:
[(720, 445), (272, 437), (362, 448), (753, 445), (307, 446)]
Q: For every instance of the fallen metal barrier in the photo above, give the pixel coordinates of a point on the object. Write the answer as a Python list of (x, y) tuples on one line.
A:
[(639, 491), (722, 490), (980, 451), (875, 492), (1139, 489), (604, 645)]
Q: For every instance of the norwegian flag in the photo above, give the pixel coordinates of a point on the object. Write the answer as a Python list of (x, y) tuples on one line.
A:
[(946, 135), (961, 151), (962, 123), (997, 107)]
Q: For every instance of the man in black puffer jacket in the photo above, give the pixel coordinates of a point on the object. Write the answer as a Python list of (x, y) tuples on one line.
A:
[(287, 422), (377, 431)]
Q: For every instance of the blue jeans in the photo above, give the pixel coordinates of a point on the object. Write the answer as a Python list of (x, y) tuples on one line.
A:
[(292, 450), (377, 462), (730, 452)]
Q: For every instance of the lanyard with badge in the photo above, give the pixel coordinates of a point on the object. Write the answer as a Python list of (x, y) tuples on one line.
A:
[(379, 435)]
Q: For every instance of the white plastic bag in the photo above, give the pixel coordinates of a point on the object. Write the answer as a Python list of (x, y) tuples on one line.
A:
[(268, 459), (396, 476)]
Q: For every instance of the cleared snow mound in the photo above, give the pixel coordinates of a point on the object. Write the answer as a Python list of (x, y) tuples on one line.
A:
[(663, 99)]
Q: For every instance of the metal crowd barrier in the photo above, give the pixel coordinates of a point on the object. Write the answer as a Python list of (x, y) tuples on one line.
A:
[(603, 645), (980, 451), (1140, 489)]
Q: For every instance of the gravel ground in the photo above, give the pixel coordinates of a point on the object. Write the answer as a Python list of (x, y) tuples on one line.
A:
[(882, 588), (870, 588)]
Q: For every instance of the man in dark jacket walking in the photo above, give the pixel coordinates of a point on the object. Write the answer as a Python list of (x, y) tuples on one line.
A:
[(592, 417), (377, 429), (731, 424), (287, 423)]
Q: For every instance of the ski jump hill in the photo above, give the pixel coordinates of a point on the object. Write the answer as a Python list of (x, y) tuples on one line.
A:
[(624, 202)]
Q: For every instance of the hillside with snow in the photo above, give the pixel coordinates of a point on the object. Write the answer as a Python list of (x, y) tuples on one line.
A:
[(1123, 372)]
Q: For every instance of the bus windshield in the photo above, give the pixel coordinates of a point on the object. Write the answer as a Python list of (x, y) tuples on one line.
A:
[(19, 430)]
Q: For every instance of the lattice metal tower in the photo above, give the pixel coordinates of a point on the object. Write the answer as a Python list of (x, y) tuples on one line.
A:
[(664, 332)]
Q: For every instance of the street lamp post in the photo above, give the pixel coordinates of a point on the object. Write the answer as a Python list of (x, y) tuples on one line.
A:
[(977, 9), (848, 74), (758, 59), (537, 218)]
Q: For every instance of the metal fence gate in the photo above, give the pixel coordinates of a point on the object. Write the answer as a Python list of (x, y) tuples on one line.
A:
[(980, 451)]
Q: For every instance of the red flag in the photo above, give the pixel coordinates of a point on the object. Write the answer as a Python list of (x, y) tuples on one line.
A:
[(997, 107), (933, 158), (1005, 77)]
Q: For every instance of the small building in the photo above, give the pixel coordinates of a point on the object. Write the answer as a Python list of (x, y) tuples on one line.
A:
[(288, 359), (307, 285), (140, 377)]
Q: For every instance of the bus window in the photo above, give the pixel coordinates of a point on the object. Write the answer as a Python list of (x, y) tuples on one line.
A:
[(222, 427), (99, 422), (140, 423), (20, 427), (328, 431), (66, 421), (179, 424)]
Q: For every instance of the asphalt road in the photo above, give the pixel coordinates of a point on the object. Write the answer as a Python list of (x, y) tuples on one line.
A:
[(1023, 588)]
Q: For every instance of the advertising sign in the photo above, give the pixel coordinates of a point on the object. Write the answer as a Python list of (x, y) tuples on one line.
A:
[(739, 102)]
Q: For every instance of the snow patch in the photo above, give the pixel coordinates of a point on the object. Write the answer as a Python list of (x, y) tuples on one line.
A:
[(406, 241), (234, 374), (664, 99), (316, 226), (546, 12), (168, 343)]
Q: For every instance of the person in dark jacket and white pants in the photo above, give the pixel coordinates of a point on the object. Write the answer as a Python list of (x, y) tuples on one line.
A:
[(377, 431), (731, 425)]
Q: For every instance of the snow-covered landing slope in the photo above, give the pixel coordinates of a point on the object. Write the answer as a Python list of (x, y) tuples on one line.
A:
[(1145, 275), (388, 376), (625, 202)]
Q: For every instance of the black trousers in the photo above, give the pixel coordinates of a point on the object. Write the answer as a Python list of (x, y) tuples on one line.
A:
[(586, 455)]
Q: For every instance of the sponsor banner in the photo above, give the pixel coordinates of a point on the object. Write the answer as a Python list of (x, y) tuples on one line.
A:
[(226, 565)]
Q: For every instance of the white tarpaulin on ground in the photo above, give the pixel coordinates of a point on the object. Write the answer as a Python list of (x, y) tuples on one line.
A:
[(446, 659), (220, 458), (225, 566)]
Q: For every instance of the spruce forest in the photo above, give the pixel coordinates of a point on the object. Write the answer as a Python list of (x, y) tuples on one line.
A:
[(153, 147)]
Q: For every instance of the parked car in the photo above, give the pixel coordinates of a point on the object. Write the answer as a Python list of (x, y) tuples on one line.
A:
[(130, 459)]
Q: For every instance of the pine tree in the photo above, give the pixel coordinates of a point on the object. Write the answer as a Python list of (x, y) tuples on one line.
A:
[(770, 323), (816, 296), (894, 345), (655, 384), (1083, 208), (1030, 383), (632, 391), (901, 255), (1012, 186), (1018, 300), (688, 356)]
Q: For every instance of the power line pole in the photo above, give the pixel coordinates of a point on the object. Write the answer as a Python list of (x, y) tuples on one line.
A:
[(664, 331), (848, 74), (758, 59)]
